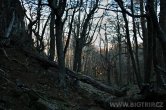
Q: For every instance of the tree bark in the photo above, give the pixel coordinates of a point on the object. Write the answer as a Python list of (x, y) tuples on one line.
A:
[(160, 33), (52, 36), (135, 38), (149, 61), (9, 29), (162, 22), (58, 8), (69, 34), (60, 52), (120, 50), (77, 55), (144, 34)]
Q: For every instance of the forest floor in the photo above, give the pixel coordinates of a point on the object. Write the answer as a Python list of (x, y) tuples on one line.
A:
[(25, 84)]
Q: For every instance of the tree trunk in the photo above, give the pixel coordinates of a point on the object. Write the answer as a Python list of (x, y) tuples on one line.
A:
[(77, 56), (60, 52), (149, 61), (144, 34), (163, 15), (129, 73), (120, 51), (135, 38), (52, 36), (69, 34), (162, 22), (138, 76), (160, 33), (12, 24), (82, 37), (159, 57)]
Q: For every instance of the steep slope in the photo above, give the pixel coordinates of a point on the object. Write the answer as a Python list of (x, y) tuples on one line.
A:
[(26, 84)]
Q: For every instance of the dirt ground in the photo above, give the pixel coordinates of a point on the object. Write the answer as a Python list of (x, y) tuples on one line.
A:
[(26, 84)]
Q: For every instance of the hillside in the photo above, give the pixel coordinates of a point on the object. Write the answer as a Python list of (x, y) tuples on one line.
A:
[(26, 84)]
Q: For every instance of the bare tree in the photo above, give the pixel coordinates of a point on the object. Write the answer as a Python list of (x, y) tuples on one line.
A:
[(82, 38), (58, 8), (138, 76)]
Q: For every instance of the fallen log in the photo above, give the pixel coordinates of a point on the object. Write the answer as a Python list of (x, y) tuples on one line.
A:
[(97, 84), (80, 77)]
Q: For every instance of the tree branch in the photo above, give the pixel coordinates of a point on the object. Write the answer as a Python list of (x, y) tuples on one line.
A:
[(120, 3)]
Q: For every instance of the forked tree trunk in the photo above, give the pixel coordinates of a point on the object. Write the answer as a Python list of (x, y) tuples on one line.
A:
[(58, 9), (82, 37)]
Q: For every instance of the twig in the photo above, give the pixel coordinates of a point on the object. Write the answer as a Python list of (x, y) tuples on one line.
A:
[(4, 51), (3, 72)]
